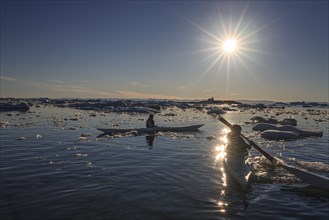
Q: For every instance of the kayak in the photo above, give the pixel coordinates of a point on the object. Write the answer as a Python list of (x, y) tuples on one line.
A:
[(151, 130), (239, 170)]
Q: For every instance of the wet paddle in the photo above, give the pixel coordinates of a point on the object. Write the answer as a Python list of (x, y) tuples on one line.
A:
[(307, 177)]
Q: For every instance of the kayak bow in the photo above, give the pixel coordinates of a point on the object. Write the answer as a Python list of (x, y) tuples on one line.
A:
[(239, 172)]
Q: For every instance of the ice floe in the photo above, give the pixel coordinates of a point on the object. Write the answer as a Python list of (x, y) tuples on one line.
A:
[(270, 131)]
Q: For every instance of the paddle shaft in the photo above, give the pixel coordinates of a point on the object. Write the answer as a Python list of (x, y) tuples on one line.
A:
[(251, 143)]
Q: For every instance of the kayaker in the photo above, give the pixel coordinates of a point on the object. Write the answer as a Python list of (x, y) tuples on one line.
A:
[(150, 122), (235, 142)]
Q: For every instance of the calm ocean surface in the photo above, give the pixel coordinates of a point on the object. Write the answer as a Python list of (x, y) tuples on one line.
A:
[(53, 166)]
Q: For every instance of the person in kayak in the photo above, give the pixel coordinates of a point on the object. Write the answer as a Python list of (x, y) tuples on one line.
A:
[(235, 142), (150, 122)]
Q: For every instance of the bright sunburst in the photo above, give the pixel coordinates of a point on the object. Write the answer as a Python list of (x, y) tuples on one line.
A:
[(230, 45)]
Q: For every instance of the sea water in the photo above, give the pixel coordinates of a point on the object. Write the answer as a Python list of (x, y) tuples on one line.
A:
[(54, 165)]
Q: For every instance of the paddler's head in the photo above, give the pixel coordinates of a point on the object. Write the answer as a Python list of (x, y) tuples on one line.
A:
[(151, 116), (236, 129)]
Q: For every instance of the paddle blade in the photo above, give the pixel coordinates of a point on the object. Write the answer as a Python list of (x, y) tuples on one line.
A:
[(308, 177)]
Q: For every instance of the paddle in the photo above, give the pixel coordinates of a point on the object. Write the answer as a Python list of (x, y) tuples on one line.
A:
[(307, 177)]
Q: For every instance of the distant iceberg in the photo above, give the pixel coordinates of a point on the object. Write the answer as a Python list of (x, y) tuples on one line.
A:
[(14, 107)]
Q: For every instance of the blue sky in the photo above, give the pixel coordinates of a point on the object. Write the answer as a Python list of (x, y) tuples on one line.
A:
[(165, 49)]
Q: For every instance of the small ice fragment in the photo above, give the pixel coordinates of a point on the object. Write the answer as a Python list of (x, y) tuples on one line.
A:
[(4, 124), (211, 137), (82, 138), (85, 135)]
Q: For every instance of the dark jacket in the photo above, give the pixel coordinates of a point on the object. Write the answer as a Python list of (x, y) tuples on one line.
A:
[(150, 123)]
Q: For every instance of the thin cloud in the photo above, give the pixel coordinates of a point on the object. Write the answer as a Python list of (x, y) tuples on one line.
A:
[(185, 86), (75, 89), (86, 92), (209, 90), (137, 83), (59, 87), (131, 94), (6, 78), (55, 81)]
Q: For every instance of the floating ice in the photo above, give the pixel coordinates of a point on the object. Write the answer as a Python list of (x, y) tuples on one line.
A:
[(4, 124), (314, 166), (286, 131)]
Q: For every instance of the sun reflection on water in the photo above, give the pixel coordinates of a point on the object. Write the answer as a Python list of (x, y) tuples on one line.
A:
[(222, 206), (221, 147), (220, 155), (221, 152)]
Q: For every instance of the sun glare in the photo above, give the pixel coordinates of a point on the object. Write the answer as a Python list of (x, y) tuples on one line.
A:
[(229, 45)]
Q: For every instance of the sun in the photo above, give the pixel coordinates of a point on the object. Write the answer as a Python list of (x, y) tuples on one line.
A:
[(230, 45)]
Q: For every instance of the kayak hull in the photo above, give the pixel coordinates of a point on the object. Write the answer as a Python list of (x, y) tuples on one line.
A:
[(152, 130), (238, 171)]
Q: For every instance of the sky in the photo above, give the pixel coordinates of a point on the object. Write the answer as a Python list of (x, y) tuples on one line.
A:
[(165, 50)]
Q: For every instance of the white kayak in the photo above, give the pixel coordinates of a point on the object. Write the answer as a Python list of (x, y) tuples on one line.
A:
[(151, 130), (239, 170)]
